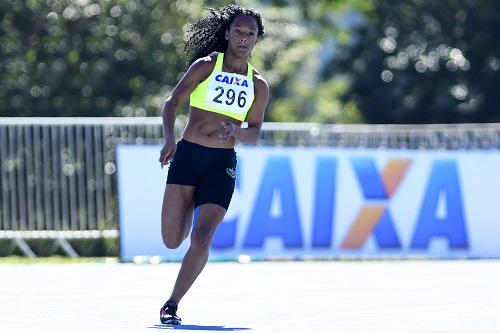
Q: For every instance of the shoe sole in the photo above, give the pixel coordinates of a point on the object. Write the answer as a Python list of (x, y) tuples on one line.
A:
[(170, 321)]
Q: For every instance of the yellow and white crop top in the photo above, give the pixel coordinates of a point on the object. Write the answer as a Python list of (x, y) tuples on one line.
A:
[(230, 94)]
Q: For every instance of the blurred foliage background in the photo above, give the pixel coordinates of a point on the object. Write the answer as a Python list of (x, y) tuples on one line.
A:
[(357, 61)]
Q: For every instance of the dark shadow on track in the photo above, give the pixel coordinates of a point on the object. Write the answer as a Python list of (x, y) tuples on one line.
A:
[(198, 328)]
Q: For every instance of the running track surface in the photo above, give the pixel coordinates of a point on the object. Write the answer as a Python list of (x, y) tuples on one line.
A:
[(326, 296)]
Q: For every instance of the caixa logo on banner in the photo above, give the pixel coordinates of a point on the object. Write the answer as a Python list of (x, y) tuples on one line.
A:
[(378, 187)]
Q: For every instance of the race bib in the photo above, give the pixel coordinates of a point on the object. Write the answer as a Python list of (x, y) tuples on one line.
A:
[(230, 92)]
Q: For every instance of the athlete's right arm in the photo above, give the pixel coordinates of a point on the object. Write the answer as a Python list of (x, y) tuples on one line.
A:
[(196, 74)]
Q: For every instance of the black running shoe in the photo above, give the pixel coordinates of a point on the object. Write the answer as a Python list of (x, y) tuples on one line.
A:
[(168, 313)]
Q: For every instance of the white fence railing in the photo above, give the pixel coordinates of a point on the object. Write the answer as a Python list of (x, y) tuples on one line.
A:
[(58, 174)]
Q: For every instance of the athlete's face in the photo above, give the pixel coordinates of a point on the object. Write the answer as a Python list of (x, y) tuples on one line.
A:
[(242, 35)]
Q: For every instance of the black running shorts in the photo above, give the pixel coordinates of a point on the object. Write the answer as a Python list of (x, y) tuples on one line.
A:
[(211, 170)]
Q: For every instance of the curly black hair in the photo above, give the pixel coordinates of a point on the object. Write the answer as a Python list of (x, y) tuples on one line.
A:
[(208, 34)]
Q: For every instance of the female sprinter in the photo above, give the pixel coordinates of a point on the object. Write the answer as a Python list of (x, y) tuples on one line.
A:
[(224, 90)]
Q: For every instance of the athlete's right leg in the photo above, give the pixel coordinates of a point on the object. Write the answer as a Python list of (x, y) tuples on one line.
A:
[(177, 214), (209, 217), (176, 220)]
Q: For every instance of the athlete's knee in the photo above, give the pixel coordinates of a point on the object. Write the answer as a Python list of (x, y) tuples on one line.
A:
[(171, 240), (202, 236)]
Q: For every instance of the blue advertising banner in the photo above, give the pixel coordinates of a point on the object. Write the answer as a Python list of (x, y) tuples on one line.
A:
[(321, 202)]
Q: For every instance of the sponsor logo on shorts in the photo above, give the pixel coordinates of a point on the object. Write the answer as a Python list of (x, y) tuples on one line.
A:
[(231, 172)]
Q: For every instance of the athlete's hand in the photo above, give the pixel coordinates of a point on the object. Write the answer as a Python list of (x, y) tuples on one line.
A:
[(228, 129), (167, 152)]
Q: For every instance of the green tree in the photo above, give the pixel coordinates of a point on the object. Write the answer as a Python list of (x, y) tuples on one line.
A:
[(345, 61), (90, 58), (299, 50), (123, 57), (424, 61)]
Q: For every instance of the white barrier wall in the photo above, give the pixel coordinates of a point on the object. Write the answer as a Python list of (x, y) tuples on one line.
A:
[(320, 202)]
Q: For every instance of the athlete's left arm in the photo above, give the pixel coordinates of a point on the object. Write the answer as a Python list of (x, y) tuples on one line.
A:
[(255, 118)]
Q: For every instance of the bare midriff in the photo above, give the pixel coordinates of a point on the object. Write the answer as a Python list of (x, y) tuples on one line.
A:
[(204, 128)]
